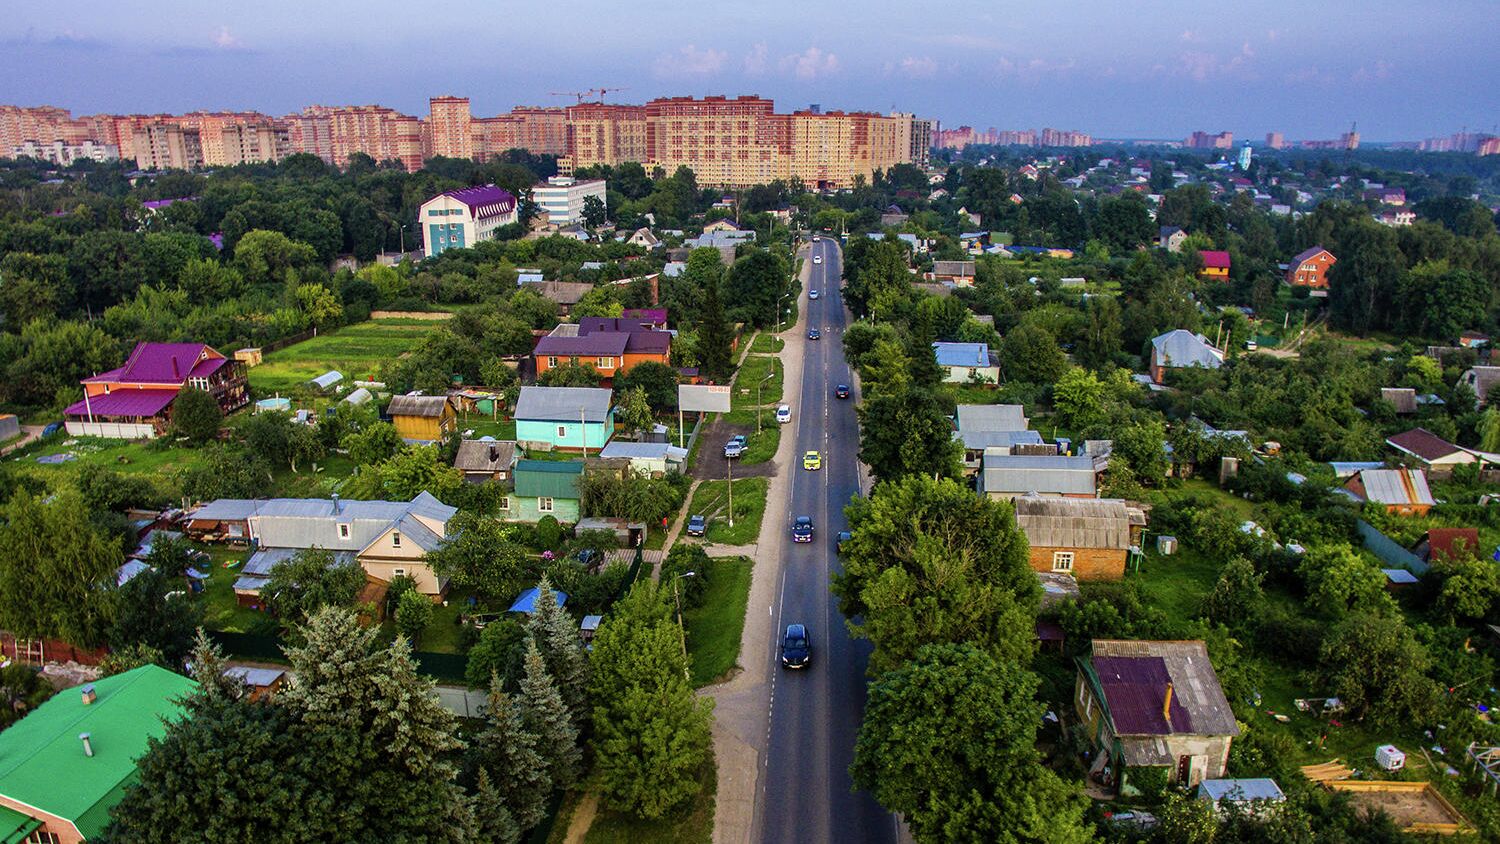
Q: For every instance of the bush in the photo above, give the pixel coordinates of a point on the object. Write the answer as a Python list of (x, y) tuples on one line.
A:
[(548, 533), (683, 558), (413, 614), (1151, 782), (499, 651)]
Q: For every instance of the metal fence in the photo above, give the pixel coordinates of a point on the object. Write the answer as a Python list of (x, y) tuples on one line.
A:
[(1389, 550)]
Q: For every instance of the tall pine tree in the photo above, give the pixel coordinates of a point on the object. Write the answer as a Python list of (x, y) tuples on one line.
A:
[(493, 821), (557, 638), (715, 336), (544, 715), (506, 755)]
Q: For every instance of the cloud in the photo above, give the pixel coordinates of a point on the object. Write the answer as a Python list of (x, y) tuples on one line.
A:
[(224, 40), (1204, 65), (1188, 35), (690, 61), (917, 67), (755, 60), (810, 63), (1031, 70), (1381, 70)]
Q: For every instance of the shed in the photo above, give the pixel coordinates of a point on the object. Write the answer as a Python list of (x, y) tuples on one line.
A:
[(250, 356), (422, 419), (259, 682), (486, 460), (1240, 791), (1083, 537), (1403, 399), (1403, 492)]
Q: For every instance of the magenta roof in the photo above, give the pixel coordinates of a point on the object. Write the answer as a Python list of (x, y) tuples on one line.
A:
[(649, 314), (124, 403), (485, 201), (162, 363), (648, 342), (1215, 259), (1135, 688), (590, 325), (599, 343), (157, 204)]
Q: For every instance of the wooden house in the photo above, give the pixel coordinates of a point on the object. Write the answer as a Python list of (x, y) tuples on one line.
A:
[(422, 419)]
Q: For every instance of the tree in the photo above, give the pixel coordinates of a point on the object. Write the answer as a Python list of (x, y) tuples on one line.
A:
[(907, 434), (499, 653), (309, 581), (928, 561), (1340, 579), (1375, 666), (714, 343), (413, 614), (481, 556), (556, 636), (196, 414), (22, 689), (1078, 397), (493, 821), (1030, 354), (151, 609), (1100, 343), (1125, 222), (948, 741), (54, 567), (594, 212), (373, 443), (1237, 595), (207, 665), (320, 304), (265, 257), (546, 716), (569, 373), (508, 754), (658, 380), (633, 410), (754, 287), (1470, 586), (651, 733), (416, 469)]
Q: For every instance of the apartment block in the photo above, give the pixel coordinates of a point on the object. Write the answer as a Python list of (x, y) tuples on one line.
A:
[(450, 127), (64, 154), (541, 131), (604, 134), (562, 198), (167, 146), (382, 133), (1204, 140), (1276, 140)]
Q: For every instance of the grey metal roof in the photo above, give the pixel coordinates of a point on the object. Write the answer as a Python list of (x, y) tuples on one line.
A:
[(226, 510), (1005, 474), (1396, 486), (1182, 348), (485, 455), (1346, 469), (642, 451), (1236, 790), (1074, 522), (293, 523), (562, 404), (961, 354), (430, 407), (957, 268), (257, 677), (981, 440), (992, 417)]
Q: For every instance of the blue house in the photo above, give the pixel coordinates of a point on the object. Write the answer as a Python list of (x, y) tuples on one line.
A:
[(568, 418)]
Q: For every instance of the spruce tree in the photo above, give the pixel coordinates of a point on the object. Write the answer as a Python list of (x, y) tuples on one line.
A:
[(506, 755), (493, 822), (206, 665), (544, 715), (715, 336), (553, 630)]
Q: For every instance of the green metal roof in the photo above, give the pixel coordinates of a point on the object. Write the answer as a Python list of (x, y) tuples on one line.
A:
[(548, 478), (42, 750), (14, 826)]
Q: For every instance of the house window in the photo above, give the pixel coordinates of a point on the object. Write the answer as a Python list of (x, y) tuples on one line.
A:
[(544, 505), (505, 503), (398, 572), (551, 361), (343, 531), (396, 539), (41, 837), (606, 363), (1062, 560), (562, 431)]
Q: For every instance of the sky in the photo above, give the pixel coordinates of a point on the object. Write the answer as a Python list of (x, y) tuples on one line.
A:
[(1150, 69)]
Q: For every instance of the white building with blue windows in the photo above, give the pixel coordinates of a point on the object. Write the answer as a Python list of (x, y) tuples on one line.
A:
[(561, 198), (461, 218)]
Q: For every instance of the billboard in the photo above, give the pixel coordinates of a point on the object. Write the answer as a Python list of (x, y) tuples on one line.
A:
[(701, 398)]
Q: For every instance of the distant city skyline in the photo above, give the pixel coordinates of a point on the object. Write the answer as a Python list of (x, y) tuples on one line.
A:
[(1403, 71)]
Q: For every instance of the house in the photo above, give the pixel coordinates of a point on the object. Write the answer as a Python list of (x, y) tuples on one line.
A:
[(998, 427), (1430, 451), (644, 238), (655, 318), (422, 419), (1255, 795), (957, 273), (134, 401), (385, 538), (486, 460), (1215, 265), (653, 459), (259, 683), (565, 294), (1170, 238), (1008, 476), (603, 352), (1403, 399), (461, 218), (964, 363), (1179, 349), (1473, 340), (65, 765), (1089, 539), (1154, 704), (568, 418), (726, 225), (644, 341), (1402, 492), (1310, 268), (545, 488), (1481, 379)]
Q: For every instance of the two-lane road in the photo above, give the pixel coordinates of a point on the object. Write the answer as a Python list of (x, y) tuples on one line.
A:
[(806, 794)]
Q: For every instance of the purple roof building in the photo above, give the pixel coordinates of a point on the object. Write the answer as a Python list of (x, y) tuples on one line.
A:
[(458, 219), (133, 401)]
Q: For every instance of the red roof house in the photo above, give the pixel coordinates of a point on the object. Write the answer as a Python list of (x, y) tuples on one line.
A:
[(1310, 268), (1429, 450), (1215, 264), (134, 401)]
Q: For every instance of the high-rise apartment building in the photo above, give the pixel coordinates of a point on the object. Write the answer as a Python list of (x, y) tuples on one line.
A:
[(604, 134), (450, 127), (63, 154), (167, 146), (382, 133), (1275, 140), (541, 131), (1204, 140)]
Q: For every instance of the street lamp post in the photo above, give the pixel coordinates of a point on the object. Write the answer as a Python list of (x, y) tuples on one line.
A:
[(403, 239), (681, 631), (729, 470), (760, 410)]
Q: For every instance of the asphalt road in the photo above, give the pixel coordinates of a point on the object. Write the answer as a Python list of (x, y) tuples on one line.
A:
[(807, 795)]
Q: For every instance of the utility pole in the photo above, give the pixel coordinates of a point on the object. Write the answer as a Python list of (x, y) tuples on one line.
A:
[(682, 631), (729, 469), (760, 409)]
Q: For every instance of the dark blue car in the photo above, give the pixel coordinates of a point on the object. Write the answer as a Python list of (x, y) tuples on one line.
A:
[(802, 529), (796, 647)]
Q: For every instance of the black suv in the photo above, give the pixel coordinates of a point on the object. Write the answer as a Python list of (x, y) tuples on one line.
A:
[(802, 529), (796, 647)]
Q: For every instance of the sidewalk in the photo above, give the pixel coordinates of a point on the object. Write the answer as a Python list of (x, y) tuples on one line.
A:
[(742, 705)]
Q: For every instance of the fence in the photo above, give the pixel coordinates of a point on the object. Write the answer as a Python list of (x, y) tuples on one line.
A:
[(1388, 550), (446, 668)]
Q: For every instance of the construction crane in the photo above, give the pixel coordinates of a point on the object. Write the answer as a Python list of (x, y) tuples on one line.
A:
[(603, 91), (580, 95)]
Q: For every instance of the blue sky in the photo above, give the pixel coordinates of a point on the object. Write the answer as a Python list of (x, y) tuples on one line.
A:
[(1159, 68)]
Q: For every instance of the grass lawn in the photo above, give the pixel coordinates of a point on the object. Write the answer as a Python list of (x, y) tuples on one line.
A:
[(355, 350), (483, 426), (762, 446), (220, 610), (966, 394), (714, 628), (1177, 583), (442, 635), (712, 500), (755, 370), (767, 344), (692, 824), (127, 456)]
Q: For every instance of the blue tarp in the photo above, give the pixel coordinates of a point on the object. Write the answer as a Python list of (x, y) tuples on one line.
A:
[(526, 603)]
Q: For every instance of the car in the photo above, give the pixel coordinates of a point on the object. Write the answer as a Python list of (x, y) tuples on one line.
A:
[(817, 259), (814, 334), (740, 438), (802, 529), (841, 391), (697, 525), (784, 414), (590, 557), (812, 294), (1251, 345), (838, 541), (733, 449), (812, 461), (815, 238), (796, 647)]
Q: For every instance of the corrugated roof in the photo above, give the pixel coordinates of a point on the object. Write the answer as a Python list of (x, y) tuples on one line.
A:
[(1218, 259), (1074, 522), (562, 404), (992, 417), (427, 407), (953, 268), (1020, 474), (124, 402), (484, 201), (1404, 399), (980, 440), (1422, 443), (583, 345), (291, 523), (1181, 348), (639, 451), (255, 677), (1134, 676), (962, 354), (548, 478), (1396, 486), (1254, 788), (163, 363), (485, 455)]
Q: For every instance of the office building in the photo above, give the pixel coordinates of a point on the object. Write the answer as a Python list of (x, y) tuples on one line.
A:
[(562, 198), (462, 218)]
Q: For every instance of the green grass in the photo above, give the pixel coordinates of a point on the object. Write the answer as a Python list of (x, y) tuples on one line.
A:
[(483, 426), (767, 344), (712, 500), (752, 372), (1177, 583), (220, 609), (356, 350), (693, 824), (714, 628), (762, 446)]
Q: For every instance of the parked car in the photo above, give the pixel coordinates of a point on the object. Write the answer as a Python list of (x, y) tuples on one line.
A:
[(815, 238), (838, 541), (812, 461), (734, 448), (784, 414), (813, 334), (812, 294), (591, 557), (697, 525), (841, 391), (802, 529), (796, 648)]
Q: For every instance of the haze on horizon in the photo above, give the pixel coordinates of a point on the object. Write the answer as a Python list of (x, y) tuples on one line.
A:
[(1403, 70)]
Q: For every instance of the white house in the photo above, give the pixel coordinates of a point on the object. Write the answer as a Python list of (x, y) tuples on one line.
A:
[(963, 362), (462, 218), (561, 198)]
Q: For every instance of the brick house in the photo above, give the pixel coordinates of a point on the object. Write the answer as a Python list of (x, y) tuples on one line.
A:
[(1087, 539), (1310, 268)]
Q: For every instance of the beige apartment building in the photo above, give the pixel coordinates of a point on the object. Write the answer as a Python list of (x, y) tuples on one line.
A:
[(450, 130), (543, 131), (166, 146)]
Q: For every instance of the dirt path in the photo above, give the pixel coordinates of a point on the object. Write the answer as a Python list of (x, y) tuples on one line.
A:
[(583, 818)]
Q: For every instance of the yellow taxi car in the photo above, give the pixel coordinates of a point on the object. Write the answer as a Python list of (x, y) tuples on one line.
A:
[(812, 461)]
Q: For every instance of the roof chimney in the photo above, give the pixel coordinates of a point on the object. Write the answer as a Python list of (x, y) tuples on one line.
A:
[(337, 507), (1166, 707), (494, 453), (88, 749), (175, 373), (89, 695)]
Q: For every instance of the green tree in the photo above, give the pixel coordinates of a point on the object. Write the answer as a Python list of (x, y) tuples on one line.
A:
[(753, 287), (481, 556), (594, 212), (413, 614), (22, 689), (1031, 355), (1237, 596), (928, 561), (322, 307), (1100, 343), (634, 412), (308, 581), (651, 733), (949, 741), (196, 415), (493, 821), (509, 755), (658, 380), (54, 569), (264, 257), (1340, 579), (1376, 666), (1079, 399), (907, 434), (152, 609), (556, 636), (416, 469), (715, 340), (1470, 586), (499, 653), (373, 443), (546, 716)]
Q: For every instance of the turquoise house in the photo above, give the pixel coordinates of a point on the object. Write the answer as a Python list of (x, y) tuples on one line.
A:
[(545, 488), (568, 418)]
